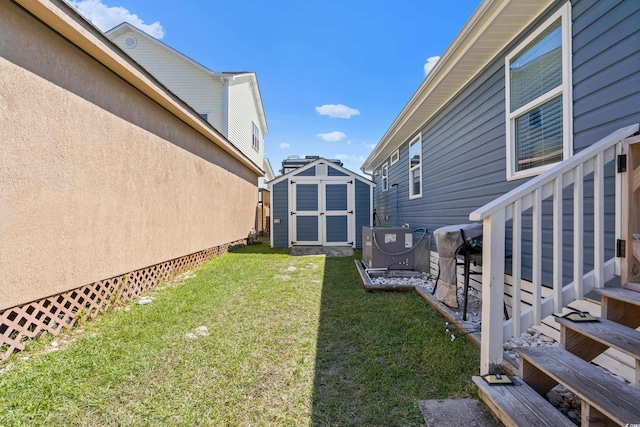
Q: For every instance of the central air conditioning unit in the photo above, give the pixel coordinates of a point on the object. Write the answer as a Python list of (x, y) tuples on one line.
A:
[(388, 247)]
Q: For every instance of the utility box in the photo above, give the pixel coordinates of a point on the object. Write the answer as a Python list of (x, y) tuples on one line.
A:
[(387, 247)]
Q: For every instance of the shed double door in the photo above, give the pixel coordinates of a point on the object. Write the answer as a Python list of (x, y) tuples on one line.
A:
[(322, 213)]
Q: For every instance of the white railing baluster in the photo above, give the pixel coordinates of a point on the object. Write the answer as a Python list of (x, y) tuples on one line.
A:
[(578, 231), (530, 196), (536, 261), (598, 221), (516, 268), (557, 244), (493, 288)]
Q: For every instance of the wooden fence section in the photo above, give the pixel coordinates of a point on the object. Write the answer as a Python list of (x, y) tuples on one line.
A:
[(53, 314)]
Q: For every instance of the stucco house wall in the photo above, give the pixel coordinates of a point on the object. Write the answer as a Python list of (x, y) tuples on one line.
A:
[(97, 178)]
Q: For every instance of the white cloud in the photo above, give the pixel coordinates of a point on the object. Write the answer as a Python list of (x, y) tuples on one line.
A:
[(346, 158), (370, 146), (332, 136), (431, 62), (284, 145), (105, 17), (337, 111)]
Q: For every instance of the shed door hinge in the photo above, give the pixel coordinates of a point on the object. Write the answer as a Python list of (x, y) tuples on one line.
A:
[(622, 163), (621, 246)]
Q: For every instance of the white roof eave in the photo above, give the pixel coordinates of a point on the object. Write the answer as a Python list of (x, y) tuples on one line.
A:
[(489, 30)]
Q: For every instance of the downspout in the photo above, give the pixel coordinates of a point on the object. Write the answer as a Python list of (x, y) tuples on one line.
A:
[(396, 185), (225, 106)]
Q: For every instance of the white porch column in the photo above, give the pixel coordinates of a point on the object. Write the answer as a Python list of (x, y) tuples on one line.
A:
[(492, 293)]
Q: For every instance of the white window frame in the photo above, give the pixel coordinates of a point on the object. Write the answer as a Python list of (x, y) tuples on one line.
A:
[(418, 167), (384, 176), (565, 89), (255, 136), (395, 156)]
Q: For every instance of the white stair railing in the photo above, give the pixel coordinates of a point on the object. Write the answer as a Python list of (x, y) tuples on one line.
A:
[(530, 195)]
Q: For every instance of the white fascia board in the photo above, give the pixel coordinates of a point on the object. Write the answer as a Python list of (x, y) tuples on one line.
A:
[(257, 99)]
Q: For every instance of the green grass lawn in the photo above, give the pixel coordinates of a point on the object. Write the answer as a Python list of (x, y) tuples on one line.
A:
[(256, 337)]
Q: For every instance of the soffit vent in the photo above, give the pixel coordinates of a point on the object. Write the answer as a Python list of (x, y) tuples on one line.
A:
[(130, 42)]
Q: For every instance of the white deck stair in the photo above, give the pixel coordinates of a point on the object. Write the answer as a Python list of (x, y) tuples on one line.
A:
[(605, 399)]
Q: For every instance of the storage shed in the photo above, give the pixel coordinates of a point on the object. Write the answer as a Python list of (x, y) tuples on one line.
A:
[(320, 204)]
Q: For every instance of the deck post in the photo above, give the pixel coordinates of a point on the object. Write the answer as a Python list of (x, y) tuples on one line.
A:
[(493, 251)]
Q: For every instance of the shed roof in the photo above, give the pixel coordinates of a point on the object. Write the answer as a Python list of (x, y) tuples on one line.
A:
[(328, 163)]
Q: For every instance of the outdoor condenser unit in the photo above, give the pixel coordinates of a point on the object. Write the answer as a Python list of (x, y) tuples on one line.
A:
[(387, 247)]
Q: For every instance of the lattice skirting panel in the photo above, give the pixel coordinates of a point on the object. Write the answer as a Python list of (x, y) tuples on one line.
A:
[(52, 314)]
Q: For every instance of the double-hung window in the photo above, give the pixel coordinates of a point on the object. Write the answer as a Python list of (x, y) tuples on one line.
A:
[(538, 98), (255, 142), (415, 168), (384, 175)]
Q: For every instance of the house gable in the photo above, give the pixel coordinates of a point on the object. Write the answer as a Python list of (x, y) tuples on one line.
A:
[(183, 76), (229, 101)]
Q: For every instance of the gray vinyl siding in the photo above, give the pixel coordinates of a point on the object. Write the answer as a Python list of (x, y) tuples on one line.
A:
[(280, 210), (363, 209), (606, 68), (463, 160), (464, 145), (606, 88)]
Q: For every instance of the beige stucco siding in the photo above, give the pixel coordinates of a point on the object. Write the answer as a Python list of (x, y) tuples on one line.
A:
[(96, 179), (243, 111), (196, 86)]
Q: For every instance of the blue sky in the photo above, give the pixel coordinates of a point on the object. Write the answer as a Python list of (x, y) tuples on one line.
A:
[(333, 75)]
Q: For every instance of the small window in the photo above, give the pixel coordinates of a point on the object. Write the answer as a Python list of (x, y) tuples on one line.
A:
[(538, 101), (385, 177), (415, 169), (255, 136), (204, 116), (395, 156)]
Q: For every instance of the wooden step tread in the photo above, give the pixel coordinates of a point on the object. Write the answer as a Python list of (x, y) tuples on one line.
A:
[(622, 294), (606, 332), (520, 405), (613, 398)]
